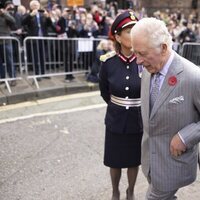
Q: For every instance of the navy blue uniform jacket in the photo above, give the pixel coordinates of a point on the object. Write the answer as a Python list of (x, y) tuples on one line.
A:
[(121, 77)]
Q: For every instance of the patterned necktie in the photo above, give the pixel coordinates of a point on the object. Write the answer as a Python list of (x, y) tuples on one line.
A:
[(154, 89)]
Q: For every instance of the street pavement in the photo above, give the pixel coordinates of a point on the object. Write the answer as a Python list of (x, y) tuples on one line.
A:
[(52, 149)]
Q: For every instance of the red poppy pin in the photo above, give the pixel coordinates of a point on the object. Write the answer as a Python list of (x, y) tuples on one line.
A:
[(172, 80)]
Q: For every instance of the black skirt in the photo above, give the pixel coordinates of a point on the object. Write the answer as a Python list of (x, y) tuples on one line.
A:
[(122, 150)]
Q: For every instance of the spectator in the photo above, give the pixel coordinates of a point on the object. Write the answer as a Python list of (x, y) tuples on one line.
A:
[(6, 22), (54, 29), (22, 31), (89, 29), (102, 48), (16, 30), (68, 25), (187, 35), (37, 22)]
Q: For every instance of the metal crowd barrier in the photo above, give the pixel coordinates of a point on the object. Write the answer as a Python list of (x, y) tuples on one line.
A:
[(191, 51), (46, 57), (10, 61)]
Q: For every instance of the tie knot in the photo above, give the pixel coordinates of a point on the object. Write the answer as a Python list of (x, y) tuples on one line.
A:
[(157, 74), (156, 77)]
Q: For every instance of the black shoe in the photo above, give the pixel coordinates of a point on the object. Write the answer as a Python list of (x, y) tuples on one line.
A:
[(69, 78)]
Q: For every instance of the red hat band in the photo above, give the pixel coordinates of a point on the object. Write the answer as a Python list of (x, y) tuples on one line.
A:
[(125, 21)]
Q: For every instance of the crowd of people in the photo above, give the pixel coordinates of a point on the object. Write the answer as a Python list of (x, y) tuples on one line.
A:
[(181, 28), (96, 21)]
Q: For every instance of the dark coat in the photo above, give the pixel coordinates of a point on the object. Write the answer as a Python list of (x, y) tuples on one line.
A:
[(32, 25), (113, 80)]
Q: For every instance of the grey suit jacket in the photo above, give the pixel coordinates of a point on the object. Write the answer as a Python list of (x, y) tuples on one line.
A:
[(177, 109)]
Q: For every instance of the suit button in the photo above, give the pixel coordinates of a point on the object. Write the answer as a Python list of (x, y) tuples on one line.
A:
[(127, 66), (127, 107), (126, 88), (127, 77)]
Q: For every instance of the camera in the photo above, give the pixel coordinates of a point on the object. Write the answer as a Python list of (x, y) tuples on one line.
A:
[(41, 11), (1, 5)]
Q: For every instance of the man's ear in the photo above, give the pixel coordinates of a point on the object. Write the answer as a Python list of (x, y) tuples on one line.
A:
[(164, 48)]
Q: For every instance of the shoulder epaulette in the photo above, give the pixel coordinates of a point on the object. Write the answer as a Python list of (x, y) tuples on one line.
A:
[(106, 56)]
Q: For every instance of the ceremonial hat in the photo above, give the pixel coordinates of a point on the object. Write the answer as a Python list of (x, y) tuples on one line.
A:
[(123, 20)]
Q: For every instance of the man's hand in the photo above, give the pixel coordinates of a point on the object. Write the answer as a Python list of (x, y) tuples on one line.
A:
[(2, 11), (46, 13), (177, 147), (34, 12)]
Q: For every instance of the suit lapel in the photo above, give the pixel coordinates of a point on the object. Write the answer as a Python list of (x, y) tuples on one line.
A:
[(146, 92), (174, 70)]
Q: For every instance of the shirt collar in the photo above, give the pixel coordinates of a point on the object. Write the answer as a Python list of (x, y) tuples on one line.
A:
[(167, 64)]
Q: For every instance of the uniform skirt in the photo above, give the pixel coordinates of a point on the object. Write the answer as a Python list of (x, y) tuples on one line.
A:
[(122, 150)]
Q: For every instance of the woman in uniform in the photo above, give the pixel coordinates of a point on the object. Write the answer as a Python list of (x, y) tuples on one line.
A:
[(120, 79)]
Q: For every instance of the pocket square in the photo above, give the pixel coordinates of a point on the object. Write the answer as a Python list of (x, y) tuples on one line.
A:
[(177, 100)]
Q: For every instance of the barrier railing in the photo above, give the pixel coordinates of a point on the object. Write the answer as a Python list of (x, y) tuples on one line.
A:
[(45, 57), (191, 51), (10, 61), (51, 56)]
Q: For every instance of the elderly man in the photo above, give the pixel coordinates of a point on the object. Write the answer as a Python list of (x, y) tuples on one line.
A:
[(170, 96), (37, 23)]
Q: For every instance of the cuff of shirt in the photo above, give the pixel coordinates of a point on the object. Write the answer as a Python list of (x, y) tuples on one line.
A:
[(181, 138)]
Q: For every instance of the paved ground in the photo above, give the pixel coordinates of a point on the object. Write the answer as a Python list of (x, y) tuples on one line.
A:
[(52, 149)]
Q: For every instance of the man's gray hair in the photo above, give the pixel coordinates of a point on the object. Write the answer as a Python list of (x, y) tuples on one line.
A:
[(33, 2), (155, 30)]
